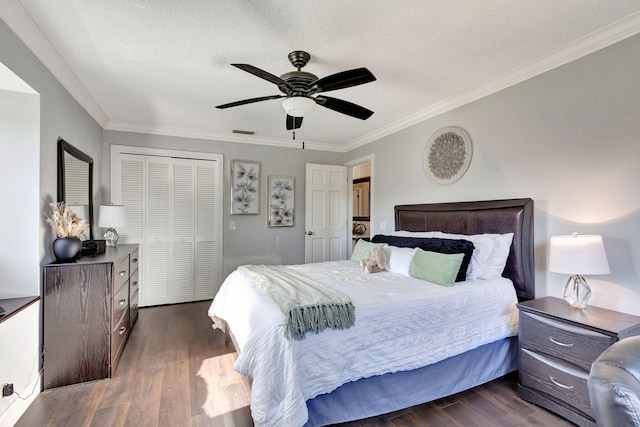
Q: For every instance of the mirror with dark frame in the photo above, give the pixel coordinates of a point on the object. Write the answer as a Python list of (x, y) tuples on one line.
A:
[(361, 196), (75, 181)]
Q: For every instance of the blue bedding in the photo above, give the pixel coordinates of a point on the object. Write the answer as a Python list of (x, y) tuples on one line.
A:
[(390, 392)]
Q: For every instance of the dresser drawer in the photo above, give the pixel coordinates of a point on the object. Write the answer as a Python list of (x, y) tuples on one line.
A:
[(134, 283), (120, 272), (133, 261), (118, 338), (571, 343), (133, 308), (557, 379), (120, 304)]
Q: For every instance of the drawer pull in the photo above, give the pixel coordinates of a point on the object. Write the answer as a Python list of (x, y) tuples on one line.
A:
[(122, 273), (123, 301), (135, 283), (123, 329), (561, 344), (566, 387)]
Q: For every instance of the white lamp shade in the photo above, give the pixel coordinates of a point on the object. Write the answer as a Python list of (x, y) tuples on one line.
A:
[(298, 106), (578, 255), (112, 216)]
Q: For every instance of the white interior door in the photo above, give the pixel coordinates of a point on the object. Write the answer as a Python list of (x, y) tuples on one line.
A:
[(325, 213)]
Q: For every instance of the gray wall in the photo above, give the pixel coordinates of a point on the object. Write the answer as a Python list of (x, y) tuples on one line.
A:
[(569, 139), (60, 116), (252, 241), (20, 153)]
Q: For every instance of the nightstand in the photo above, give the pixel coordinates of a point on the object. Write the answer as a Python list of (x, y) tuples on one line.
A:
[(558, 344)]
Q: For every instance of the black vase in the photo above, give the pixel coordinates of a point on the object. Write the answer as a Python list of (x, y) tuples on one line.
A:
[(67, 249)]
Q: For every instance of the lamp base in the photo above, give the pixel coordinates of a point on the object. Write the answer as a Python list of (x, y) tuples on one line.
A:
[(111, 237), (577, 292)]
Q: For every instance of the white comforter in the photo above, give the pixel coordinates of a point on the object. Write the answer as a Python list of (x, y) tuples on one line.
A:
[(401, 324)]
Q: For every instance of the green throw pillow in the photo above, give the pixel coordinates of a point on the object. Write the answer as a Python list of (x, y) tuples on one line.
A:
[(363, 250), (438, 268)]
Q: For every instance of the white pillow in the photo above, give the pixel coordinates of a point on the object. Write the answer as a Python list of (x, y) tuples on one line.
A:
[(494, 264), (498, 259), (483, 248), (399, 259)]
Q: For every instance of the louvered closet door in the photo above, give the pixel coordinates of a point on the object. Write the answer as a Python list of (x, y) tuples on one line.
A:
[(173, 207), (182, 230), (155, 287), (206, 235), (132, 196)]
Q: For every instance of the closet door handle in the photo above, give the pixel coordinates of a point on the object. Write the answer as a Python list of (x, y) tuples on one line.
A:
[(122, 330), (134, 260), (135, 283), (123, 301), (122, 273)]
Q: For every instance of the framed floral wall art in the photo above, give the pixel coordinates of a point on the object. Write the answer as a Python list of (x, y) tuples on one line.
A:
[(245, 187), (281, 201)]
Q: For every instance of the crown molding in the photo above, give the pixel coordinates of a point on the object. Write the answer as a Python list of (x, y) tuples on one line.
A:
[(603, 37), (21, 23), (224, 137)]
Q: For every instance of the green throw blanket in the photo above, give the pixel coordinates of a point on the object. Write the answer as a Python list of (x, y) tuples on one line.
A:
[(307, 305)]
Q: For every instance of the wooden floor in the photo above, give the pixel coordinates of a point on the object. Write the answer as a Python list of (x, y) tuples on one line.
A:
[(176, 371)]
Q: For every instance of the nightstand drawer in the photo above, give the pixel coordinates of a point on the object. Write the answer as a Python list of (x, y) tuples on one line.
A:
[(576, 345), (556, 379)]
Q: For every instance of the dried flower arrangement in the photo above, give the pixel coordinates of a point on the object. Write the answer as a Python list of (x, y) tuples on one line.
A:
[(64, 222)]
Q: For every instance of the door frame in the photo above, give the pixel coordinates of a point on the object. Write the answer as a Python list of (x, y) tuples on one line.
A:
[(350, 165)]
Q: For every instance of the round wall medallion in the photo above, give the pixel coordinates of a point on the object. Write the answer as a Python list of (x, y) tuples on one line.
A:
[(447, 155)]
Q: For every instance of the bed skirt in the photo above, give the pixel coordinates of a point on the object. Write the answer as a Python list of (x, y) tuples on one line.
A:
[(381, 394)]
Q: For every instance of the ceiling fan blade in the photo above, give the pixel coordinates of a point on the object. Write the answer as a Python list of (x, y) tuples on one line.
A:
[(344, 107), (293, 122), (282, 84), (343, 80), (249, 101)]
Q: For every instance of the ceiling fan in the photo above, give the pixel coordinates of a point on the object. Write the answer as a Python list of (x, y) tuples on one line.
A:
[(299, 86)]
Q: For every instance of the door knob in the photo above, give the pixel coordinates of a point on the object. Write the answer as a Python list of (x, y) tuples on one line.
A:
[(309, 233)]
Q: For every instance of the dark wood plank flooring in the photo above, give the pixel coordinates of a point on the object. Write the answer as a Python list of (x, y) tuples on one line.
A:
[(177, 371)]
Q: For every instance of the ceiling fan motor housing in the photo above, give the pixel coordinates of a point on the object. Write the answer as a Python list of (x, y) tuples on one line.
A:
[(300, 80)]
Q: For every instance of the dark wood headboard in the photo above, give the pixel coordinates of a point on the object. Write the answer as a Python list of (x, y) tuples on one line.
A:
[(491, 216)]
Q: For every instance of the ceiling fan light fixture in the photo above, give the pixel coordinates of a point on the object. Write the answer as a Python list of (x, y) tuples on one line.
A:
[(298, 106)]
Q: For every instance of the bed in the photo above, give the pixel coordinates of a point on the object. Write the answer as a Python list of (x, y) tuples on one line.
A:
[(337, 375)]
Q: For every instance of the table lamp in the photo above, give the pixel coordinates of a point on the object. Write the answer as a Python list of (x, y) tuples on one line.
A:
[(110, 217), (577, 255)]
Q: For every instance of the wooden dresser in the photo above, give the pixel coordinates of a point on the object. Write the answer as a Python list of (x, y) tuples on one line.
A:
[(89, 309), (558, 344)]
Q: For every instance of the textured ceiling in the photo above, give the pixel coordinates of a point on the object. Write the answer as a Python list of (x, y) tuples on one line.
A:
[(160, 66)]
